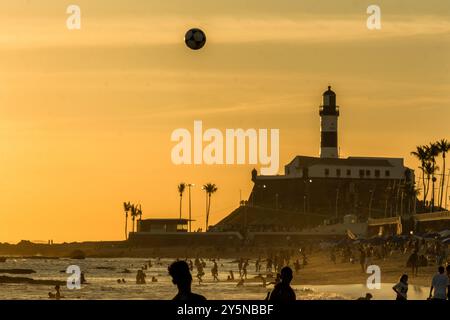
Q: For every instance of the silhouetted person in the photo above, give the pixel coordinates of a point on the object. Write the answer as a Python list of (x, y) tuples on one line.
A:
[(362, 259), (439, 284), (413, 261), (367, 297), (277, 280), (140, 277), (56, 295), (297, 266), (82, 278), (448, 287), (401, 288), (215, 271), (283, 291), (244, 269), (182, 278)]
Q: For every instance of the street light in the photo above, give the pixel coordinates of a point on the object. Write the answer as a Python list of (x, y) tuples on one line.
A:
[(189, 185), (306, 194), (206, 206)]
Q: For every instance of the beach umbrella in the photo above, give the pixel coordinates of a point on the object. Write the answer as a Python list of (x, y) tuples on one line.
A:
[(376, 241), (445, 234), (432, 235), (397, 239)]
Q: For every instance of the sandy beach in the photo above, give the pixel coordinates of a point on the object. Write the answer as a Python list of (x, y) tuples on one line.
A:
[(321, 271)]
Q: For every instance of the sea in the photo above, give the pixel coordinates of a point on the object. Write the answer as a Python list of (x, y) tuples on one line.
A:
[(102, 274)]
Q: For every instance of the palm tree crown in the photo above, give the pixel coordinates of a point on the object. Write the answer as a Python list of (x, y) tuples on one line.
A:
[(209, 188), (181, 188), (443, 147)]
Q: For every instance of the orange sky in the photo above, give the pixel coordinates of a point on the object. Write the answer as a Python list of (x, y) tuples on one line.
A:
[(86, 116)]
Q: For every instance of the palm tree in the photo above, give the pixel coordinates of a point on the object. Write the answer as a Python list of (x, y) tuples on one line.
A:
[(209, 188), (138, 213), (134, 214), (181, 188), (433, 152), (428, 169), (443, 147), (411, 193), (126, 208), (422, 155)]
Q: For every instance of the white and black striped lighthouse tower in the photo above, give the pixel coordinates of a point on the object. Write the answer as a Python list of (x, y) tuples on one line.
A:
[(329, 114)]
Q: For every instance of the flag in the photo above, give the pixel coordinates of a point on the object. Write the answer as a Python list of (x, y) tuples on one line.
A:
[(351, 235)]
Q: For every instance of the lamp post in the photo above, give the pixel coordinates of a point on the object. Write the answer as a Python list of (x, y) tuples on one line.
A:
[(306, 195), (370, 203), (337, 203), (206, 207), (276, 201), (446, 189), (189, 185)]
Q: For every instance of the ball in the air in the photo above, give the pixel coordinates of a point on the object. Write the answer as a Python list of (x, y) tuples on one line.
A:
[(195, 39)]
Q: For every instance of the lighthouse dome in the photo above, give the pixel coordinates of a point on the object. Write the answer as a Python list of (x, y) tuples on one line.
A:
[(329, 92)]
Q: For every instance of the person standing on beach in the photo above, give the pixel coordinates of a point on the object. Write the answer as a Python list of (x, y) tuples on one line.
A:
[(413, 261), (240, 267), (215, 271), (200, 272), (448, 287), (362, 259), (244, 270), (257, 264), (401, 288), (283, 291), (439, 284), (182, 278)]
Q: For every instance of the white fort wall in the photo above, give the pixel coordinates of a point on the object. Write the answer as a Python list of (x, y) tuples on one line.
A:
[(395, 171)]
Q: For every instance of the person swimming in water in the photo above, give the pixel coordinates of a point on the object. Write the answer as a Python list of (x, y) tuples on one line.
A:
[(56, 295), (368, 296), (140, 277), (263, 279)]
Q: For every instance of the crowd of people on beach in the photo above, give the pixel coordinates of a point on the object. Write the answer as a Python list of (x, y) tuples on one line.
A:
[(277, 268)]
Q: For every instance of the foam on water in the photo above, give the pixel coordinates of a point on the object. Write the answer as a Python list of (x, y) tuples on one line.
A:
[(102, 283)]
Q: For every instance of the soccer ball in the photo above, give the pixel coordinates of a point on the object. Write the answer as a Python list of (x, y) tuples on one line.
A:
[(195, 39)]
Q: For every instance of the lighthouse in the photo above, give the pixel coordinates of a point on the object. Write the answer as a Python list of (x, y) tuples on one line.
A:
[(329, 114)]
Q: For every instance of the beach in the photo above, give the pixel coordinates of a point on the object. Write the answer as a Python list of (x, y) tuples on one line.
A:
[(319, 279)]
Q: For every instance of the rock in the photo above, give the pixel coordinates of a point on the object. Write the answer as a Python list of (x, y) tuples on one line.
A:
[(41, 258), (17, 271), (77, 254), (6, 279)]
